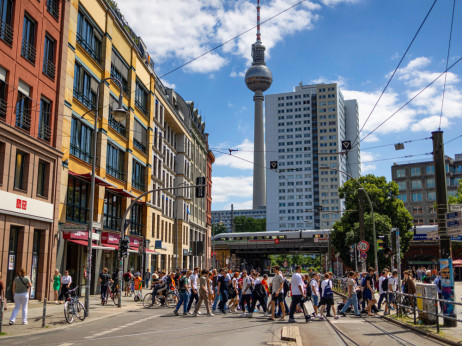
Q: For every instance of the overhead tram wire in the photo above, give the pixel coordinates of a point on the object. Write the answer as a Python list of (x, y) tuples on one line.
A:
[(451, 140), (396, 69), (447, 62)]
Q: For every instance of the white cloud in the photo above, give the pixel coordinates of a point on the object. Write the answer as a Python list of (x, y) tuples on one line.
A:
[(224, 189), (430, 123), (367, 164), (168, 84), (241, 159), (239, 205), (336, 2), (237, 74)]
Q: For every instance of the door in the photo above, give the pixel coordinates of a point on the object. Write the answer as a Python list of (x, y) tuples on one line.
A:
[(35, 262), (12, 258)]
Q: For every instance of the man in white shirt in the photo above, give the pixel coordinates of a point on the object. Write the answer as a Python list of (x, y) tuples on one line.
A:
[(246, 293), (277, 297), (315, 293), (298, 292), (193, 284), (392, 284)]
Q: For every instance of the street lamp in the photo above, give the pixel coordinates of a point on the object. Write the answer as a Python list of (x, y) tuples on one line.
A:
[(119, 114), (372, 210)]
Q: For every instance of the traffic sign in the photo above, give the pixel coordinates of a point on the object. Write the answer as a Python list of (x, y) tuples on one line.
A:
[(319, 207), (363, 246), (273, 165), (346, 145), (363, 255), (453, 215), (73, 228)]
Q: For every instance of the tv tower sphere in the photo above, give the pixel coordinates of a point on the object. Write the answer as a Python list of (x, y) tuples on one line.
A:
[(258, 77)]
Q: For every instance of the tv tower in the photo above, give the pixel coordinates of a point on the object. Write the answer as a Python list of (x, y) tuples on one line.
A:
[(258, 78)]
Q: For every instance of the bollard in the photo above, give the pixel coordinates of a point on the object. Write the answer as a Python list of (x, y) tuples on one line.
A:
[(1, 314), (44, 311), (437, 320), (414, 303)]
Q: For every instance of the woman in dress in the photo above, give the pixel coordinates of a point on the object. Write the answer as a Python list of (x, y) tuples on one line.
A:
[(56, 280)]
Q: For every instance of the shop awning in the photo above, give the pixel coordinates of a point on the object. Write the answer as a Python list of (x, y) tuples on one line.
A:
[(113, 246), (133, 251), (102, 247), (80, 242), (121, 192), (98, 180), (152, 252), (94, 246)]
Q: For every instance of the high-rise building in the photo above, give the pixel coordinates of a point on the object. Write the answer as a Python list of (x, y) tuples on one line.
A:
[(304, 134), (416, 183)]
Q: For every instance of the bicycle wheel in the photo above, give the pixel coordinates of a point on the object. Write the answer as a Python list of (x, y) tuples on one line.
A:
[(171, 300), (148, 301), (68, 315), (80, 311), (115, 298)]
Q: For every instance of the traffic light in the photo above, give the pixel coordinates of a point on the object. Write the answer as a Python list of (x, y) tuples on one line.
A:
[(393, 241), (200, 190), (123, 247), (380, 243)]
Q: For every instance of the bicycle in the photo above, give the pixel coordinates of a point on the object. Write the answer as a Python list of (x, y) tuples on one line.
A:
[(113, 293), (73, 306), (169, 300)]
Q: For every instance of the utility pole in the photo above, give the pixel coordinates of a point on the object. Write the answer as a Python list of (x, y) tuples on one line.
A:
[(362, 231), (445, 245), (232, 218)]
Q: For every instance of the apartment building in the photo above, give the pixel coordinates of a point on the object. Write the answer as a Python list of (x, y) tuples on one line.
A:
[(32, 34), (226, 217), (416, 183), (304, 134)]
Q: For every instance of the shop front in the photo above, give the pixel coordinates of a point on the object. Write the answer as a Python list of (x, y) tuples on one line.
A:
[(134, 257), (110, 259)]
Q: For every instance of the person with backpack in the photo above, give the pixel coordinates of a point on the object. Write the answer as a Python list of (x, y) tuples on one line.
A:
[(183, 287), (194, 293), (383, 288), (233, 293), (104, 279), (223, 283), (352, 297), (298, 293), (246, 293), (327, 295), (277, 286), (128, 276), (258, 294), (393, 283)]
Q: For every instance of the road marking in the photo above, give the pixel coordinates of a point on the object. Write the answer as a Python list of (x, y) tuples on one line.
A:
[(66, 344), (118, 328)]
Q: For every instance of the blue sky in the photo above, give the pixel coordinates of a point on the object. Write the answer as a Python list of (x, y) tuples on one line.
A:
[(357, 43)]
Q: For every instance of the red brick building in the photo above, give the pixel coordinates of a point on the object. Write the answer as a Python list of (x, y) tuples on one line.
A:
[(32, 61), (208, 214)]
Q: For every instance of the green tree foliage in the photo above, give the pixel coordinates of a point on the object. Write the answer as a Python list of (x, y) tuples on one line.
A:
[(457, 199), (305, 261), (249, 224), (389, 212), (218, 228)]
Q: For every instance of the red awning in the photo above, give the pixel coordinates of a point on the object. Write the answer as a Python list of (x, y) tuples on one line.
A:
[(87, 177), (116, 247), (121, 192), (150, 251), (457, 263), (94, 246), (80, 242)]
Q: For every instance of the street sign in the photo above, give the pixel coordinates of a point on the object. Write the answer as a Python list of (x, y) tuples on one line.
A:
[(453, 223), (319, 207), (72, 228), (453, 215), (363, 246), (454, 231), (346, 145), (432, 235), (363, 255), (273, 165)]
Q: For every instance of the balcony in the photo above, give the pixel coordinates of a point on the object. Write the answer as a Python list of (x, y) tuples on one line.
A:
[(115, 172), (138, 185), (6, 32), (87, 102), (28, 51), (53, 8), (44, 132), (138, 145), (23, 120), (118, 127), (49, 68), (90, 50)]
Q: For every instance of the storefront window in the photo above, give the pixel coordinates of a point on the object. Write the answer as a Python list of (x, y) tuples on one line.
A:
[(77, 200), (112, 211)]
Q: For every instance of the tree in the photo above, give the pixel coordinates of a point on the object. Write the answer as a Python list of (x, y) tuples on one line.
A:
[(218, 228), (244, 224), (457, 199), (389, 212)]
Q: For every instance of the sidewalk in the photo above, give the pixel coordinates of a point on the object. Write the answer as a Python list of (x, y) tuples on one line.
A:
[(55, 315)]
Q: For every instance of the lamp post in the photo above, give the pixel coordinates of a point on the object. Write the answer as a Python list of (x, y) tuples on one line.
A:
[(119, 114), (372, 210)]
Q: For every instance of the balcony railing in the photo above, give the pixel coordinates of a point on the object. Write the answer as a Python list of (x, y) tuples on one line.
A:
[(118, 127), (6, 32), (49, 68), (138, 185), (93, 53), (3, 106), (141, 106), (89, 103), (53, 8), (28, 51), (44, 132), (23, 120), (115, 172), (138, 145), (81, 153)]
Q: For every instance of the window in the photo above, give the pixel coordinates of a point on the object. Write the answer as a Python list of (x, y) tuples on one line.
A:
[(416, 197), (417, 210), (3, 91), (400, 173), (138, 175), (112, 211), (42, 179), (85, 87), (49, 57), (401, 185), (89, 36), (141, 97), (20, 171), (402, 197), (77, 200), (117, 126), (6, 16), (415, 171), (416, 184), (28, 50), (431, 182), (81, 140), (431, 196), (119, 70), (53, 8), (430, 169), (44, 128), (115, 162), (139, 137), (136, 226), (23, 107)]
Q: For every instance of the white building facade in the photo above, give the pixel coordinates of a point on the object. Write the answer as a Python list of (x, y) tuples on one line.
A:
[(304, 133)]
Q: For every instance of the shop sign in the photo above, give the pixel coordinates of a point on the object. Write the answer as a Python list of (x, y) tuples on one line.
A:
[(80, 235), (11, 262), (134, 242), (110, 238), (13, 204)]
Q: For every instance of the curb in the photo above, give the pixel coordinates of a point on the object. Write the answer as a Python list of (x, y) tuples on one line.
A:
[(291, 334), (415, 329)]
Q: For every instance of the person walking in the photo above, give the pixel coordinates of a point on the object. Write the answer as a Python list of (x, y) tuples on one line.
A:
[(327, 296), (315, 294), (223, 289), (383, 288), (246, 293), (203, 294), (298, 292), (2, 293), (193, 279), (147, 278), (66, 281), (20, 289), (104, 279), (216, 294), (278, 293), (56, 280), (183, 288), (258, 294), (352, 296)]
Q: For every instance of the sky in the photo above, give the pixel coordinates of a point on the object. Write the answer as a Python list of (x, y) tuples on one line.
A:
[(356, 43)]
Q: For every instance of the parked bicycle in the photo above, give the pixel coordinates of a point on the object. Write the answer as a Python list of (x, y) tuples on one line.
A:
[(113, 294), (169, 299), (73, 306)]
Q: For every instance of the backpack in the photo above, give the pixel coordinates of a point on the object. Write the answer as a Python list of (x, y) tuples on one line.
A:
[(328, 292), (286, 286), (385, 285), (182, 283), (308, 289), (127, 277), (169, 279), (363, 282), (259, 291)]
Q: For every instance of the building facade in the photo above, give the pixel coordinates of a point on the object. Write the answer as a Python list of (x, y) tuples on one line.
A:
[(225, 217), (208, 245), (304, 134), (32, 35), (416, 183)]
